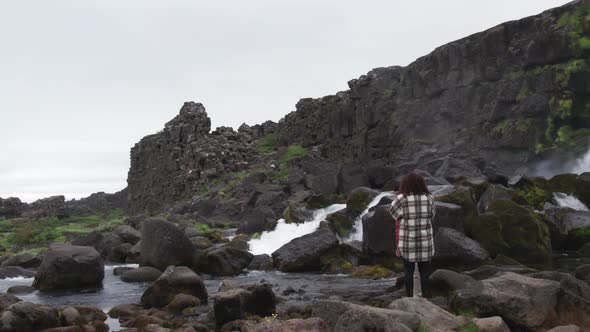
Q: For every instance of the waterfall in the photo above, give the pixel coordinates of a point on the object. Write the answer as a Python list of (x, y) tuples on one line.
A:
[(270, 241), (582, 164), (357, 230), (565, 200)]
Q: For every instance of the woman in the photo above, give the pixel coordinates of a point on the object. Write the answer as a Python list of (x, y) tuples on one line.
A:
[(414, 207)]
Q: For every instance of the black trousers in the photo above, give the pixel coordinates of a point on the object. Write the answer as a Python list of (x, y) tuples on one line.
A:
[(424, 269)]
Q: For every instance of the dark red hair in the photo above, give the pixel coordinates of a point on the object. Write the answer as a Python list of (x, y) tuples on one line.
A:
[(413, 184)]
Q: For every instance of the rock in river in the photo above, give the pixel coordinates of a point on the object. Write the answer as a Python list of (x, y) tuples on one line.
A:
[(67, 266), (175, 280), (163, 244)]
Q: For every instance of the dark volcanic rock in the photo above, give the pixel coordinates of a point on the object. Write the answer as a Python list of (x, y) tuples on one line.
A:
[(452, 248), (24, 260), (67, 266), (304, 253), (379, 232), (175, 280), (236, 303), (175, 163), (261, 262), (11, 207), (99, 203), (141, 274), (53, 206), (128, 234), (449, 215), (163, 244), (15, 271), (226, 261), (28, 317)]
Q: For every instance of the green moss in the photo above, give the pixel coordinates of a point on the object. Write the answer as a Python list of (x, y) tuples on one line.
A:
[(358, 200), (463, 197), (524, 92), (340, 223), (334, 263), (267, 145), (565, 183), (534, 192), (203, 228), (578, 25), (423, 328), (293, 151), (373, 272), (577, 238), (468, 327), (216, 236)]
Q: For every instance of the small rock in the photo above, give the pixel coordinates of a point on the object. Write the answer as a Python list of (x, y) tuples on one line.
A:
[(20, 290), (141, 274), (491, 324)]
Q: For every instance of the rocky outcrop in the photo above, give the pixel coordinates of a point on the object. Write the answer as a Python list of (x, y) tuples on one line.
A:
[(66, 266), (11, 207), (54, 206), (99, 203), (520, 83), (174, 164)]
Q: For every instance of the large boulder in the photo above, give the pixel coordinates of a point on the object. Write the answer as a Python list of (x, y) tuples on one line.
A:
[(379, 232), (583, 188), (260, 219), (67, 266), (431, 315), (493, 193), (26, 260), (226, 261), (175, 280), (449, 215), (28, 317), (163, 244), (345, 316), (128, 234), (237, 303), (261, 262), (583, 273), (304, 253), (524, 301), (341, 222), (577, 225), (141, 274), (358, 200), (512, 230), (453, 248)]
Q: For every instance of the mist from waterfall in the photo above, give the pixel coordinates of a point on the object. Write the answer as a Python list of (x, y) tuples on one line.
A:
[(582, 164)]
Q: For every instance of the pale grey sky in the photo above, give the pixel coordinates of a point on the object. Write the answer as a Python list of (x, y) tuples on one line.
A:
[(81, 81)]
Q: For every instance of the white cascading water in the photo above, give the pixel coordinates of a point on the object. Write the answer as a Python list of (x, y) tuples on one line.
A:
[(357, 230), (570, 201), (582, 164), (270, 241)]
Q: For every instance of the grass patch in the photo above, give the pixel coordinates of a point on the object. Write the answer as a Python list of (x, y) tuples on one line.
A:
[(18, 233), (293, 151), (469, 327), (267, 145), (203, 228)]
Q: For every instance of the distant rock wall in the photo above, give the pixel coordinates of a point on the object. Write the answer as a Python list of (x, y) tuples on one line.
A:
[(495, 100)]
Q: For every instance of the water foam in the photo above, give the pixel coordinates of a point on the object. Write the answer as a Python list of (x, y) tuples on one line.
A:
[(570, 201), (357, 230), (582, 164), (270, 241)]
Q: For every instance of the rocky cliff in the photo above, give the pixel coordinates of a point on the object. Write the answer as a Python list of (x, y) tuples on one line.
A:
[(496, 100)]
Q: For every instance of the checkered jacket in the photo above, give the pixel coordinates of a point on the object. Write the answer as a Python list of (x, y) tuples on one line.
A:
[(416, 212)]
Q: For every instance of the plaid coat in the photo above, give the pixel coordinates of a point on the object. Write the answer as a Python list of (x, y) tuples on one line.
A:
[(416, 212)]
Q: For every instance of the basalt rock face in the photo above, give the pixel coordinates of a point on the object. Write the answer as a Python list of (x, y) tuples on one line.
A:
[(98, 203), (173, 164), (11, 207), (495, 100), (482, 100)]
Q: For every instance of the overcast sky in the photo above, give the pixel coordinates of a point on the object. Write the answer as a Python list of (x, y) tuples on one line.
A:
[(81, 81)]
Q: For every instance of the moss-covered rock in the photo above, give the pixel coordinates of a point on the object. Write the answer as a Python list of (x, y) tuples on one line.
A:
[(583, 188), (514, 231), (216, 237), (297, 213), (462, 196), (576, 238), (534, 192), (359, 199), (564, 183), (335, 263), (390, 262), (373, 272), (341, 222)]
